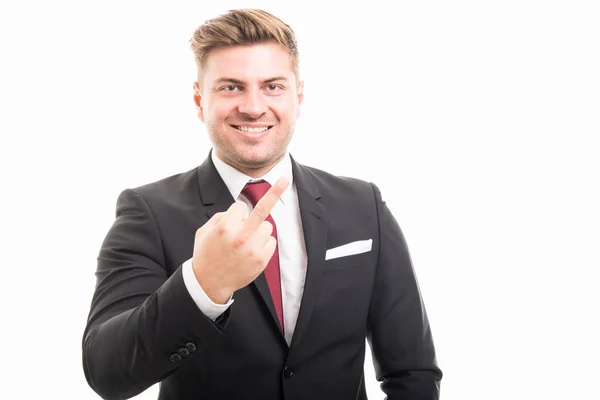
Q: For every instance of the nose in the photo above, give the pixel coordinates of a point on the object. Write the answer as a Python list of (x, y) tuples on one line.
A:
[(253, 104)]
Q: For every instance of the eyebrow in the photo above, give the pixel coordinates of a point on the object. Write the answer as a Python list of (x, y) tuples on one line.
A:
[(238, 82)]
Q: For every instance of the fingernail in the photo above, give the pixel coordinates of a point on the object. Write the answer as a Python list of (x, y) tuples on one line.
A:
[(283, 182)]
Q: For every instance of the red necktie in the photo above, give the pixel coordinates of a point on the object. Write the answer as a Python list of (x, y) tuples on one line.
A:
[(254, 191)]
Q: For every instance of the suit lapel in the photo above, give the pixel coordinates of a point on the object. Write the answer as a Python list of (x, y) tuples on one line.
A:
[(314, 223)]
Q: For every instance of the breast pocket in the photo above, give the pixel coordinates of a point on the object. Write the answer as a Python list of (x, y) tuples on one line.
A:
[(348, 256)]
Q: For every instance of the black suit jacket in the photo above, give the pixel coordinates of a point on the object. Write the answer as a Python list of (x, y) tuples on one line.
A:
[(144, 327)]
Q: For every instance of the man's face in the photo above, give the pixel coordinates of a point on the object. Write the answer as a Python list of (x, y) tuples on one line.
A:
[(249, 100)]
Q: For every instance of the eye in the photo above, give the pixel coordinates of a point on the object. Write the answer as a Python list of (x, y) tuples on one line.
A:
[(229, 88), (272, 87)]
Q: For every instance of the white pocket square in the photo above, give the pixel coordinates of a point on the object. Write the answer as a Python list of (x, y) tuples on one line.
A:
[(348, 249)]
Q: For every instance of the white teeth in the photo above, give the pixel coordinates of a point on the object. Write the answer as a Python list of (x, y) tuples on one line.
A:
[(252, 130)]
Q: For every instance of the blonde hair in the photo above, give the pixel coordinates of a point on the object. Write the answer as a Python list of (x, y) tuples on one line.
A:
[(243, 27)]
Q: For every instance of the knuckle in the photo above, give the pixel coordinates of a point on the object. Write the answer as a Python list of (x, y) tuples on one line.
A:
[(261, 211), (262, 259), (259, 261), (258, 257), (239, 241), (220, 230)]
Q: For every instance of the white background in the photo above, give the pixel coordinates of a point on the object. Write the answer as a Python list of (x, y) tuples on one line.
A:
[(479, 120)]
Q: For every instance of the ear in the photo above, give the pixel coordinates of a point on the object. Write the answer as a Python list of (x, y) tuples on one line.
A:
[(198, 101), (300, 97)]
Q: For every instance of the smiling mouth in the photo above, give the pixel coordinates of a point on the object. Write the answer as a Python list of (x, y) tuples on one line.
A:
[(252, 129)]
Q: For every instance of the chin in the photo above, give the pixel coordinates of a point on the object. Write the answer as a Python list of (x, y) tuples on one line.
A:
[(255, 159)]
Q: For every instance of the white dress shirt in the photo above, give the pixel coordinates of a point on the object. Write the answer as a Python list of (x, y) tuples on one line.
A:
[(290, 239)]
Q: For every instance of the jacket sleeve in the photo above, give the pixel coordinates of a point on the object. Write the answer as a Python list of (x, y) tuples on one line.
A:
[(398, 329), (143, 324)]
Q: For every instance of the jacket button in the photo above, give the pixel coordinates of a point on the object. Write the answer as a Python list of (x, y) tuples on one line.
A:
[(288, 372), (175, 358), (191, 347), (183, 352)]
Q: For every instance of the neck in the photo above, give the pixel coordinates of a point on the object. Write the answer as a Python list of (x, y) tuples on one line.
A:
[(252, 171)]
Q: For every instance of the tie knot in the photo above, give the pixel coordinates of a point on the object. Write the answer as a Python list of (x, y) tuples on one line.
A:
[(254, 191)]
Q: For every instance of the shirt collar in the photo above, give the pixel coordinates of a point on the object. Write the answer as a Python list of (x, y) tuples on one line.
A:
[(236, 180)]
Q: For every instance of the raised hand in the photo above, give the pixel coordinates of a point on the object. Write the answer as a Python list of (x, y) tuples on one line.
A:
[(230, 250)]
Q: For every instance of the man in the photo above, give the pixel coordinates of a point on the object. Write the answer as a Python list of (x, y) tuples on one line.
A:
[(253, 276)]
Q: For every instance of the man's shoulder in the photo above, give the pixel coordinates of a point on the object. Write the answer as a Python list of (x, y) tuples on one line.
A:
[(169, 186), (328, 182)]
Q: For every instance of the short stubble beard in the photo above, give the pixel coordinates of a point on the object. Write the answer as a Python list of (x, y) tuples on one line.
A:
[(252, 165)]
